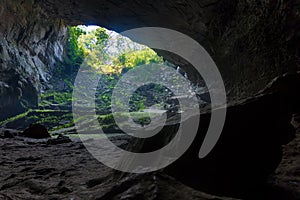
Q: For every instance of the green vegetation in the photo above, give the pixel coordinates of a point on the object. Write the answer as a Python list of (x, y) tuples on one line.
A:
[(75, 53), (108, 123), (136, 58), (59, 120), (105, 51), (111, 55), (49, 118), (57, 97)]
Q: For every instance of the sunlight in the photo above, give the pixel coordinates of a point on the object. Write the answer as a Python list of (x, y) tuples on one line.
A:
[(108, 51)]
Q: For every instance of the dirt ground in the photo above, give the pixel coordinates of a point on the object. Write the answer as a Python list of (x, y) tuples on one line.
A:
[(32, 169)]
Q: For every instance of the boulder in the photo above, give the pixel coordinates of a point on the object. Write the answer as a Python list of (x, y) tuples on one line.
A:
[(36, 131)]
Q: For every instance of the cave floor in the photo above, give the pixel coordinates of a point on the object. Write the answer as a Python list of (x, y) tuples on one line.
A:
[(36, 170)]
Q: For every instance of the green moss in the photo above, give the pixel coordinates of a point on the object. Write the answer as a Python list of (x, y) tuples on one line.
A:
[(49, 118), (108, 122), (61, 98), (17, 117)]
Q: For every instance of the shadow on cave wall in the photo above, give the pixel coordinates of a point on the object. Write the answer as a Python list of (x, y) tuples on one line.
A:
[(252, 42)]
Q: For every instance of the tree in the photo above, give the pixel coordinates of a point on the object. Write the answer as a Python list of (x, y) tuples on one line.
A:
[(101, 36), (75, 53), (136, 58), (94, 45), (109, 53)]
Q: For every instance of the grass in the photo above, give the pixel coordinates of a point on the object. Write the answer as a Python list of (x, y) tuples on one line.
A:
[(48, 118), (55, 120), (56, 97)]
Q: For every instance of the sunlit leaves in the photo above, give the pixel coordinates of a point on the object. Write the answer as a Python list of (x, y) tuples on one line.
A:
[(136, 58), (109, 53), (75, 53)]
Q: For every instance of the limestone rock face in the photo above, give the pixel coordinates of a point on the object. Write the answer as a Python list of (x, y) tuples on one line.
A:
[(251, 41), (31, 44)]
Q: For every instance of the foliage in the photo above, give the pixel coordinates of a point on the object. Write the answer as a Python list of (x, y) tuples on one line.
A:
[(49, 118), (141, 118), (136, 58), (101, 36), (75, 53), (137, 102), (57, 97), (94, 48), (110, 53)]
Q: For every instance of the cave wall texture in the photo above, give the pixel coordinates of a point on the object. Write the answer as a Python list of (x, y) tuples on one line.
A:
[(31, 44), (251, 41)]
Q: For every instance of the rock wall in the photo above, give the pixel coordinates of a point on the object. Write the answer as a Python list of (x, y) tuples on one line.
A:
[(31, 44), (251, 41)]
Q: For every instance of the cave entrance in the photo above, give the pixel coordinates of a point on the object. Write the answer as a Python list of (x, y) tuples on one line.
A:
[(102, 51), (109, 55)]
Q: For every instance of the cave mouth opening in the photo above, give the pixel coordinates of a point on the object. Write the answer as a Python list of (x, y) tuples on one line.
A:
[(104, 52), (111, 55)]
